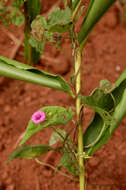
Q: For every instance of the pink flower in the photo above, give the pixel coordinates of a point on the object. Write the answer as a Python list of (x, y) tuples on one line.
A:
[(38, 117)]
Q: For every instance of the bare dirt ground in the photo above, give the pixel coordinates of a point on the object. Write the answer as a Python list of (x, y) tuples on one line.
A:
[(104, 57)]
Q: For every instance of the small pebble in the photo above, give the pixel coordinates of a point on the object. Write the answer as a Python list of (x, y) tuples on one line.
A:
[(117, 68)]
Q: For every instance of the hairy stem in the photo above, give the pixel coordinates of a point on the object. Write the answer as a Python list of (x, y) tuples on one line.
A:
[(79, 117)]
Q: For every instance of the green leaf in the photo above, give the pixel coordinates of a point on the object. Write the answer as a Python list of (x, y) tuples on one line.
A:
[(2, 9), (57, 136), (38, 37), (29, 152), (18, 3), (64, 160), (39, 46), (105, 84), (5, 22), (69, 164), (16, 70), (98, 101), (96, 10), (59, 17), (12, 15), (97, 127), (16, 17), (55, 115), (75, 4), (59, 29), (38, 26)]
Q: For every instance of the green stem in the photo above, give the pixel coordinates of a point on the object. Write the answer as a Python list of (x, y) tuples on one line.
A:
[(79, 119), (27, 31), (28, 48), (55, 169), (76, 9)]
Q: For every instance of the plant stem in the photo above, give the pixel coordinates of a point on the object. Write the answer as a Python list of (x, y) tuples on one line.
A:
[(27, 30), (79, 118), (55, 169), (28, 48), (76, 8)]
